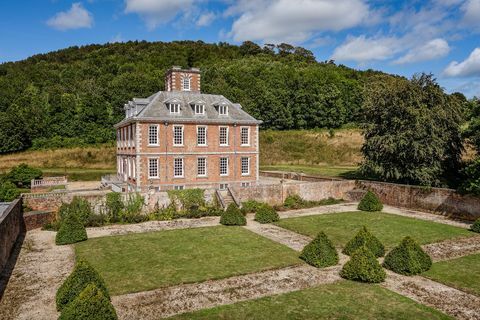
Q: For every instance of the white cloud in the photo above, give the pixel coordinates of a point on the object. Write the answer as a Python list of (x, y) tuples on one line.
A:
[(155, 12), (467, 68), (471, 13), (434, 49), (362, 49), (118, 38), (293, 20), (75, 18), (205, 19)]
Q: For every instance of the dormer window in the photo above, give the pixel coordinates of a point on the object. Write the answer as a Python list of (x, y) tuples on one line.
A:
[(223, 110), (199, 109), (174, 108), (186, 83)]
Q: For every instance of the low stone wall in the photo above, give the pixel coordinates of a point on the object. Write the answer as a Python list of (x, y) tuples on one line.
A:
[(51, 201), (37, 219), (11, 227), (437, 200)]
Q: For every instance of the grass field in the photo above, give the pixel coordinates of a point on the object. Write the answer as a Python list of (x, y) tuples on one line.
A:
[(140, 262), (462, 273), (342, 300), (348, 172), (390, 229)]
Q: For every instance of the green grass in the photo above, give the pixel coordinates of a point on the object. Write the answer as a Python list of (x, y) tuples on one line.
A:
[(139, 262), (78, 174), (390, 229), (462, 273), (342, 300), (347, 172)]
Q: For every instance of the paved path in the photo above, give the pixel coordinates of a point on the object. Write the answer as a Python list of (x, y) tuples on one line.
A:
[(150, 305)]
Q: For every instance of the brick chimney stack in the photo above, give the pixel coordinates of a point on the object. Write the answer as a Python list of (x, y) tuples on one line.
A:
[(178, 79)]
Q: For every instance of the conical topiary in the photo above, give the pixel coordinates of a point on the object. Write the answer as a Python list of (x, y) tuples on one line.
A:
[(266, 214), (370, 202), (82, 275), (320, 252), (476, 226), (233, 216), (408, 258), (91, 304), (365, 238), (363, 266), (71, 231)]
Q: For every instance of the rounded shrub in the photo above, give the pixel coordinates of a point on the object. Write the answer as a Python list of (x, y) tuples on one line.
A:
[(370, 202), (293, 201), (251, 206), (90, 304), (364, 238), (363, 266), (476, 226), (408, 258), (82, 275), (266, 214), (71, 230), (233, 216), (320, 252)]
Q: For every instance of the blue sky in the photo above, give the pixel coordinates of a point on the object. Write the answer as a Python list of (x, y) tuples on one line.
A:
[(402, 37)]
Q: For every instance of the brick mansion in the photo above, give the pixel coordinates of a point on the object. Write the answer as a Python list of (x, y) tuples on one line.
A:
[(182, 138)]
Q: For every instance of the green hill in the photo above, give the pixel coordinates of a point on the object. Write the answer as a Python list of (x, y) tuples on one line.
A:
[(72, 97)]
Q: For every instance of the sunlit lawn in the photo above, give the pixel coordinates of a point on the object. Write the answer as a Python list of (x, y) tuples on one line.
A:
[(139, 262), (349, 172), (389, 228)]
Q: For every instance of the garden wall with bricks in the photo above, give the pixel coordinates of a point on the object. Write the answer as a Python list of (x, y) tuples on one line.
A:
[(11, 227)]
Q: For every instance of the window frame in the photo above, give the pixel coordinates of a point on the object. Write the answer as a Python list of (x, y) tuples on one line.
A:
[(220, 167), (248, 166), (150, 168), (175, 168), (206, 142), (248, 136), (223, 110), (205, 167), (157, 127), (226, 136), (182, 135), (174, 110), (189, 81), (201, 106)]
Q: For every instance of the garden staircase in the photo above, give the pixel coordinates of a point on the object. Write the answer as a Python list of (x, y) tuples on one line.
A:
[(226, 197)]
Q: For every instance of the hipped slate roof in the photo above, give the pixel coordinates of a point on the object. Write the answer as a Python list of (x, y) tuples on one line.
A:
[(155, 108)]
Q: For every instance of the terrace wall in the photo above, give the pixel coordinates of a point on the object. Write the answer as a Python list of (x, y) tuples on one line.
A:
[(11, 227)]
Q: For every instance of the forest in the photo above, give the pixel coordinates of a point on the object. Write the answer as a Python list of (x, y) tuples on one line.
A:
[(72, 97)]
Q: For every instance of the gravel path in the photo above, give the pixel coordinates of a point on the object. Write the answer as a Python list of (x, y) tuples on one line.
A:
[(155, 304), (149, 226), (451, 301), (453, 248), (41, 268)]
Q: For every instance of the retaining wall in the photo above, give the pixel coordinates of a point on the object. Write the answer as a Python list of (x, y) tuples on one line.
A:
[(11, 227)]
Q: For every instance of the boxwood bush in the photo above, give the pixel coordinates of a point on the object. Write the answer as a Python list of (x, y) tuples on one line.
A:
[(408, 258), (71, 230), (82, 275), (364, 238), (476, 226), (266, 214), (320, 252), (363, 266), (90, 304), (251, 206), (233, 216), (370, 202)]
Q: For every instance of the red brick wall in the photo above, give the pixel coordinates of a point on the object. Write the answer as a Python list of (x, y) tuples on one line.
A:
[(173, 80)]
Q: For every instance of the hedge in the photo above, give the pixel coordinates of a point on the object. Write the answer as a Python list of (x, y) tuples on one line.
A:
[(82, 275), (320, 252), (233, 216), (91, 304), (364, 238), (476, 226), (363, 266), (408, 258), (266, 214), (251, 206), (71, 231), (370, 202)]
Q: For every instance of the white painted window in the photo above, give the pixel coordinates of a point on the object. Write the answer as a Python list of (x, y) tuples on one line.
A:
[(153, 135), (178, 167), (202, 167), (178, 135), (178, 187), (245, 166), (223, 136), (202, 136), (174, 108), (245, 184), (186, 83), (223, 186), (153, 168), (223, 110), (224, 166), (199, 109), (245, 136)]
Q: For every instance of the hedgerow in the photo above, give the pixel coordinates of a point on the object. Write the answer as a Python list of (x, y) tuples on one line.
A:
[(320, 252), (363, 266), (370, 202), (408, 258), (266, 214), (71, 231), (233, 216), (364, 238), (475, 227)]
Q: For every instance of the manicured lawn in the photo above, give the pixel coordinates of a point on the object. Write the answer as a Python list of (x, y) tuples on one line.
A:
[(390, 229), (342, 300), (349, 172), (462, 273), (139, 262), (78, 174)]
